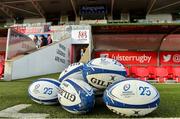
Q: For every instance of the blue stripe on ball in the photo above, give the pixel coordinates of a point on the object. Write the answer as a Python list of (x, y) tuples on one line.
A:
[(87, 101), (51, 81), (91, 70), (71, 72)]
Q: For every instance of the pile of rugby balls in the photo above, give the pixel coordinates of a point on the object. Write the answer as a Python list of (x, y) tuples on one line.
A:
[(79, 84)]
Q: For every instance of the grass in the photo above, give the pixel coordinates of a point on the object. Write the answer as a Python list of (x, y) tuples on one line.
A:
[(15, 92)]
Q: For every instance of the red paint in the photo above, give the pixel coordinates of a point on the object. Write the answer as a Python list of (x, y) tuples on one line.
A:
[(72, 54)]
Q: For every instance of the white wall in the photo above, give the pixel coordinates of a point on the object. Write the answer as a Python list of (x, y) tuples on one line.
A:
[(159, 17), (41, 62), (35, 20)]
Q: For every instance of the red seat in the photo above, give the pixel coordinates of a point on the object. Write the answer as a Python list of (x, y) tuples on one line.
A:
[(127, 70), (142, 73), (133, 71), (161, 74), (152, 70), (170, 71), (1, 69), (176, 74)]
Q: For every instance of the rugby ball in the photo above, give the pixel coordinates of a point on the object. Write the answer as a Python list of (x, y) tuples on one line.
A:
[(76, 96), (101, 72), (131, 97), (72, 71), (44, 91)]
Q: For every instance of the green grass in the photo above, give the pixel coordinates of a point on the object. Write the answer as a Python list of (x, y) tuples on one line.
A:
[(15, 92)]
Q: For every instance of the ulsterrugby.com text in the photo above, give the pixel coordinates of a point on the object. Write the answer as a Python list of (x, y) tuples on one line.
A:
[(140, 59)]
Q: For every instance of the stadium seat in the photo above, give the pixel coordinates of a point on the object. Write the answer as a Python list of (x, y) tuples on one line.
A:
[(133, 71), (176, 74), (127, 70), (1, 70), (170, 71), (151, 70), (142, 73), (161, 74)]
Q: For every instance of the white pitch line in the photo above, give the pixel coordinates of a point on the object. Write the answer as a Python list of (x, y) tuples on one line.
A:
[(12, 112), (16, 108)]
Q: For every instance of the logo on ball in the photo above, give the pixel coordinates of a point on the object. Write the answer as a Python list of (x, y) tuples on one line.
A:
[(126, 87)]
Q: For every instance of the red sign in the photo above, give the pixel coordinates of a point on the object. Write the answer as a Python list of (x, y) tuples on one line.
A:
[(2, 57), (169, 58), (130, 58)]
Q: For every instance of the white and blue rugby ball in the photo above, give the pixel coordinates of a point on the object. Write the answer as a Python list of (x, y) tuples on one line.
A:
[(131, 97), (44, 91), (72, 71), (101, 72), (76, 96)]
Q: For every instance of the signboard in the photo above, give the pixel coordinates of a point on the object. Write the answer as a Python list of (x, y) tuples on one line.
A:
[(32, 29), (98, 21), (2, 57), (131, 58), (169, 58), (18, 44), (92, 10), (80, 36)]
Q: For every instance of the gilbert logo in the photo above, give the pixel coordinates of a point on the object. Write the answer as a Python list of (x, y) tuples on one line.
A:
[(166, 58)]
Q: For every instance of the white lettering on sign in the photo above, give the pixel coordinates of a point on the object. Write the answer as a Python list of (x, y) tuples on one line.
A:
[(13, 112), (140, 59)]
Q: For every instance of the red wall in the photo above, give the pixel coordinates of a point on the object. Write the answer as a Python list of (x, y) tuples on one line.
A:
[(142, 57), (169, 58)]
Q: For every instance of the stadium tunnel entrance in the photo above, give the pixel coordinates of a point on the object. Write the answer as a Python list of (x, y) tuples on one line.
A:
[(3, 41), (77, 51)]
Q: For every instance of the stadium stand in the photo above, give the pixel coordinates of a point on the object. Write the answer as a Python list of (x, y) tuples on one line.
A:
[(151, 70), (142, 73), (133, 71), (170, 71), (176, 74), (1, 70), (161, 74)]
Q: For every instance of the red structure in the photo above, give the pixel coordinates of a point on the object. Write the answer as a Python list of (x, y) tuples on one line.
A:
[(148, 51)]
